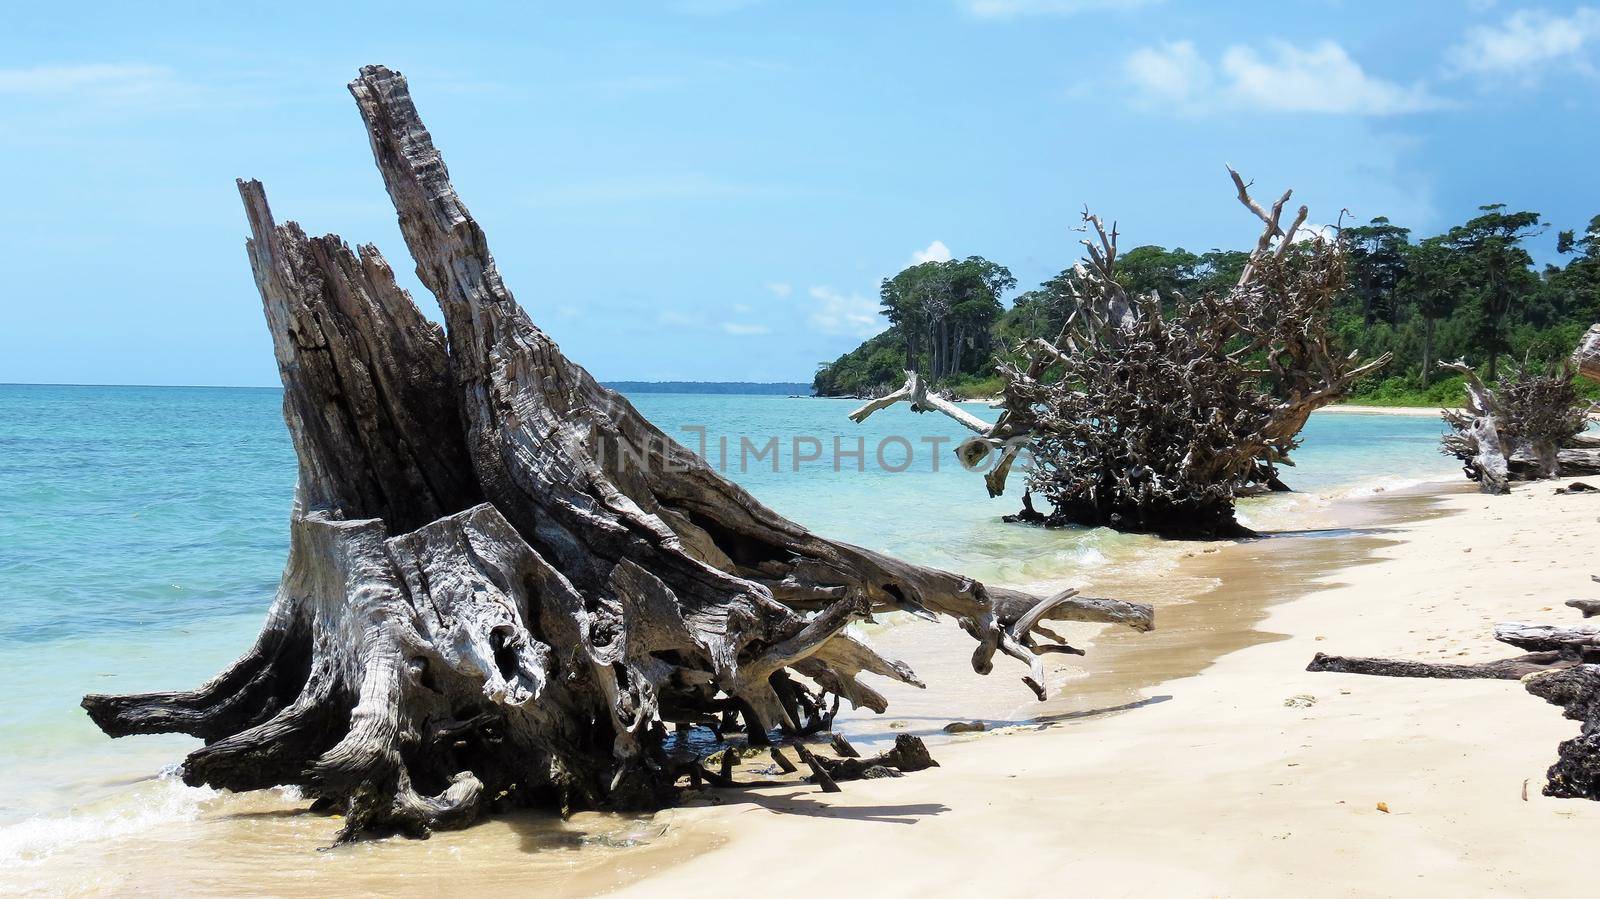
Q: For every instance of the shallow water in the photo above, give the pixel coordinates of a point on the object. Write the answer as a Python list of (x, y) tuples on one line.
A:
[(142, 531)]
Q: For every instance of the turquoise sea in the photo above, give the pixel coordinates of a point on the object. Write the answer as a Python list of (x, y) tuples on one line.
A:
[(142, 532)]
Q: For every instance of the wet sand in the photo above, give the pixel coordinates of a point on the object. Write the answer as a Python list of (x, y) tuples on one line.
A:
[(1164, 762)]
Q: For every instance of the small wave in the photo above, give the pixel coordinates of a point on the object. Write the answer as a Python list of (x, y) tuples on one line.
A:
[(1381, 485), (1084, 556), (166, 800)]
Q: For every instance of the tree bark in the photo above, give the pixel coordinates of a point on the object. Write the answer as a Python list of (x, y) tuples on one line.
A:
[(503, 580), (1428, 325), (1586, 358)]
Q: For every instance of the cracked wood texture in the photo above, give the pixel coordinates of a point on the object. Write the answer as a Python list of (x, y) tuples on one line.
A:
[(504, 583)]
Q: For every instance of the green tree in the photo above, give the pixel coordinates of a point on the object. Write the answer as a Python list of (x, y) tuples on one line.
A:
[(1377, 264), (1496, 268), (1428, 283), (945, 312), (1151, 268)]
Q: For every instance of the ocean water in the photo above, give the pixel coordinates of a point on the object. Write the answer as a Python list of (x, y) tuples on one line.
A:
[(142, 532)]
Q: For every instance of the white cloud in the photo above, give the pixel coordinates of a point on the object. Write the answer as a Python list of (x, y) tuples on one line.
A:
[(836, 313), (1171, 72), (1319, 78), (694, 321), (933, 252), (1010, 9), (780, 289), (97, 78), (1526, 41)]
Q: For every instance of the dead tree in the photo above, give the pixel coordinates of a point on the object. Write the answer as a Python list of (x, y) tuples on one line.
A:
[(1527, 428), (1586, 358), (503, 581), (1143, 420), (1561, 665)]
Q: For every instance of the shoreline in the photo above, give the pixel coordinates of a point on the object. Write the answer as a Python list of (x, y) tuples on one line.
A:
[(1171, 753), (1349, 409), (1252, 775)]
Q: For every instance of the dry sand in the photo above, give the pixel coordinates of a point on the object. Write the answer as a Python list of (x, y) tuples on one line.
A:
[(1253, 777)]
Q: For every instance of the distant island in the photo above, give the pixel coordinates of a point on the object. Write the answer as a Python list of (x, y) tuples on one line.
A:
[(747, 388)]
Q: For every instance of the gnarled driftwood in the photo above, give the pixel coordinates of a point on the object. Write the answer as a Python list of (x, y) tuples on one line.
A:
[(503, 582), (1145, 420), (1527, 428)]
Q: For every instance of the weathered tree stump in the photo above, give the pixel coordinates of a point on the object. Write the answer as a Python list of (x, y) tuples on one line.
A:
[(1529, 427), (503, 581)]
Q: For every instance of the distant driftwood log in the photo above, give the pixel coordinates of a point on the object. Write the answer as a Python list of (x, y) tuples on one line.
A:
[(1152, 413), (503, 582)]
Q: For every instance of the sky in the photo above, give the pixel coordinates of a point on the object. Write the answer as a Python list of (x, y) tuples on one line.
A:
[(713, 189)]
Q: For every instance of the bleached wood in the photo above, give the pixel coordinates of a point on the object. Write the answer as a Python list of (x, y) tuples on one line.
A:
[(503, 581)]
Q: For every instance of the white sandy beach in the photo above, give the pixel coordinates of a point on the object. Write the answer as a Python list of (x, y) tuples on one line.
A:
[(1254, 777)]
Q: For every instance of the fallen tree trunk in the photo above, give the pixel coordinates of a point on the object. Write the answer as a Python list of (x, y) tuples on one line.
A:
[(503, 581), (1562, 667)]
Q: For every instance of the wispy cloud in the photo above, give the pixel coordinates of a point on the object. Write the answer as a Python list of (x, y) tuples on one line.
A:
[(1010, 9), (1528, 42), (95, 78), (1319, 78), (695, 321), (780, 289), (933, 252), (837, 313)]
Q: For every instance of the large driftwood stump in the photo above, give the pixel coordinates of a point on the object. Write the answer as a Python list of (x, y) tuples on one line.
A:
[(1529, 427), (503, 582), (1152, 413), (1561, 666)]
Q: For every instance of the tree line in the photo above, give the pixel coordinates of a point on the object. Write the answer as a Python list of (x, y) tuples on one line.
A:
[(1472, 292)]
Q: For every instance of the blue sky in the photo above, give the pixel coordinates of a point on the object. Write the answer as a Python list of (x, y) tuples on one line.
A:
[(712, 189)]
